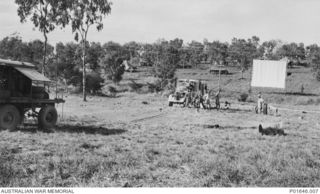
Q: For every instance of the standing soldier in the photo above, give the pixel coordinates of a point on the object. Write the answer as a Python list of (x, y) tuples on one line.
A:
[(188, 98), (201, 101), (206, 100), (217, 96), (260, 103), (197, 101)]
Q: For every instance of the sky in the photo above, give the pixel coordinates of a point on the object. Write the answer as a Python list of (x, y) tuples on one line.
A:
[(148, 20)]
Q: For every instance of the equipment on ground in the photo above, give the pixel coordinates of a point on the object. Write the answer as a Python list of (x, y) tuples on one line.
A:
[(186, 89), (23, 90), (264, 109)]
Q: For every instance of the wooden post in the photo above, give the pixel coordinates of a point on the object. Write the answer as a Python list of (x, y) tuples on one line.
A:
[(250, 78), (219, 76), (57, 78)]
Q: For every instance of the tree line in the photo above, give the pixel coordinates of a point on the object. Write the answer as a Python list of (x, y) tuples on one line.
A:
[(104, 61)]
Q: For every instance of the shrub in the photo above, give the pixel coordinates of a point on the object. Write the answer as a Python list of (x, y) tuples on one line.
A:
[(134, 86), (112, 91), (94, 83), (317, 74), (154, 87), (112, 65), (250, 99), (243, 97)]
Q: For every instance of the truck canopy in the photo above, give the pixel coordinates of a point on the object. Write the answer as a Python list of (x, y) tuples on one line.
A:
[(32, 74), (27, 69)]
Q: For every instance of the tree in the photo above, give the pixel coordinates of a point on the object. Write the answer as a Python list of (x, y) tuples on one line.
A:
[(185, 57), (313, 56), (244, 51), (112, 60), (166, 65), (66, 63), (293, 51), (94, 53), (83, 15), (196, 51), (15, 49), (316, 65), (177, 43), (311, 51), (217, 51), (148, 55), (44, 14), (268, 50), (111, 63), (113, 47), (35, 49), (132, 47)]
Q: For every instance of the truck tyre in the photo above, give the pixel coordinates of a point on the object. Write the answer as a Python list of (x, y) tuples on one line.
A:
[(10, 117), (47, 117), (170, 103)]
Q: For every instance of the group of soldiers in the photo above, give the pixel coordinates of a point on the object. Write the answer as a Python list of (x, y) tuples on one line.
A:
[(199, 100)]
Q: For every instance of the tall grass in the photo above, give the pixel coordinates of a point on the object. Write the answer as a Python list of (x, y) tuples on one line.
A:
[(195, 156)]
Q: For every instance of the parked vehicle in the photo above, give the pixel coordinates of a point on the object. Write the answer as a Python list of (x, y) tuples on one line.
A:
[(184, 87), (22, 90)]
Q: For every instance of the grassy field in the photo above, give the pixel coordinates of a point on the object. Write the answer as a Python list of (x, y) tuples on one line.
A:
[(136, 140)]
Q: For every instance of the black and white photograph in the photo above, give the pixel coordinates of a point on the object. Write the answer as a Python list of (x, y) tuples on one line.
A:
[(159, 94)]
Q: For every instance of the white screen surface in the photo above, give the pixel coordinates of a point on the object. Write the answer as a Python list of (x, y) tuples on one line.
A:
[(271, 74)]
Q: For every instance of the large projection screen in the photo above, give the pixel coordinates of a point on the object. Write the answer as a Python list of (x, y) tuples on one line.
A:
[(269, 74)]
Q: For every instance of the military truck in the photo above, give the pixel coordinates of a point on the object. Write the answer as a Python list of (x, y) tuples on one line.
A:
[(185, 86), (24, 90)]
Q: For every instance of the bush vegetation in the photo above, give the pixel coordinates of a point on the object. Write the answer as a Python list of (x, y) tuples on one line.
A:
[(163, 56), (243, 97)]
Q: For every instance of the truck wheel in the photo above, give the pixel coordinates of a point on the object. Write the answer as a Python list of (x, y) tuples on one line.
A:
[(48, 117), (9, 117), (170, 103)]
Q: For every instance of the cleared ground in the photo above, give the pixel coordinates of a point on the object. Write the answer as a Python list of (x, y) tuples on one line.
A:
[(137, 140)]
